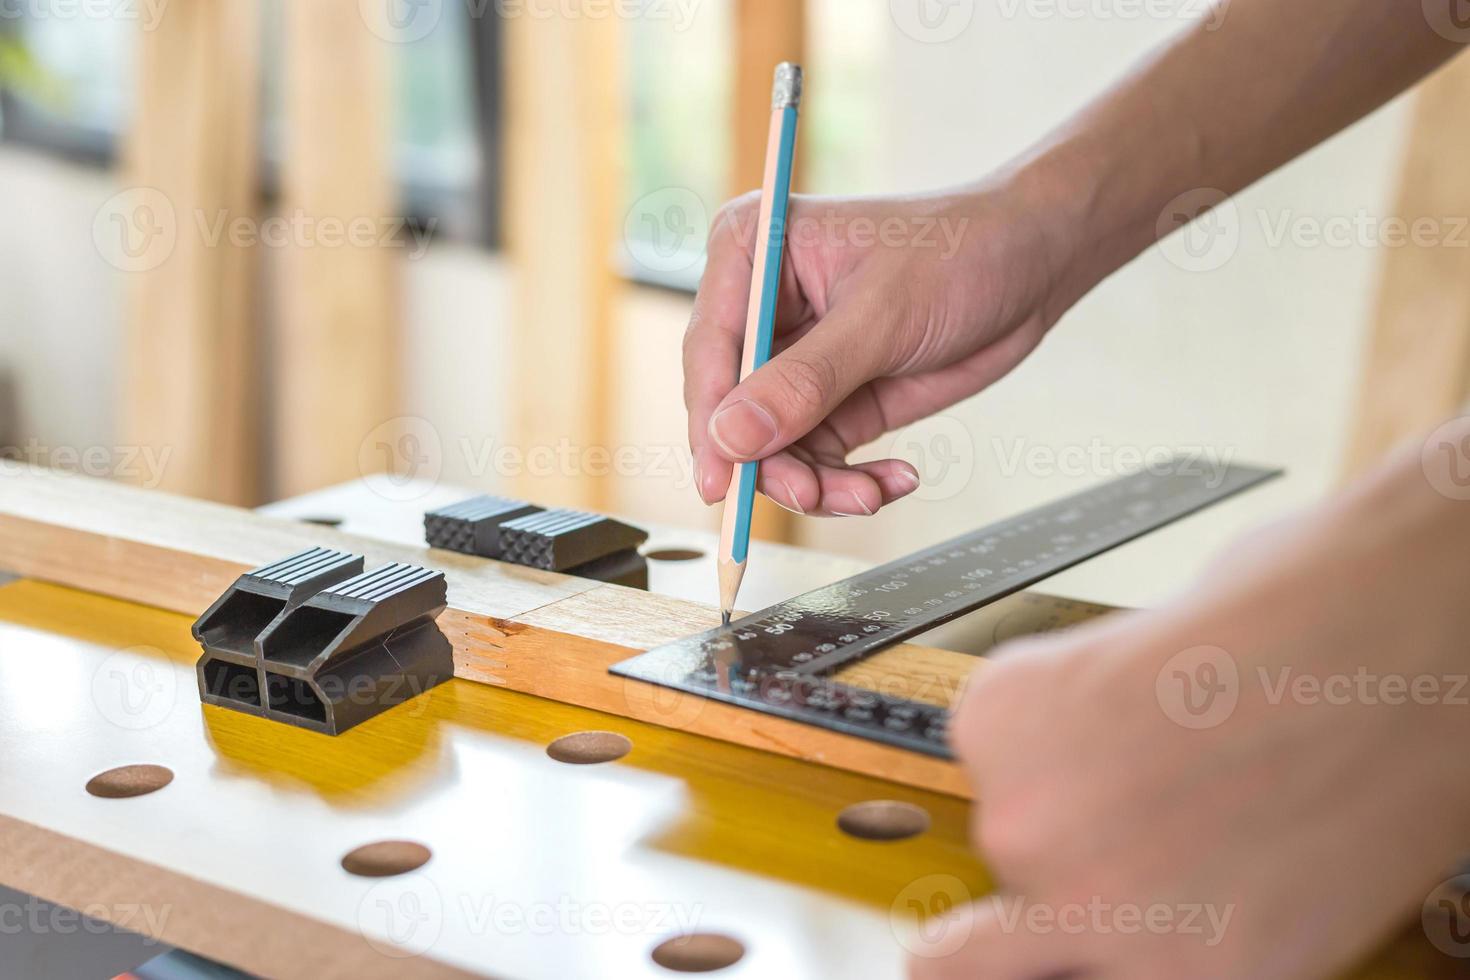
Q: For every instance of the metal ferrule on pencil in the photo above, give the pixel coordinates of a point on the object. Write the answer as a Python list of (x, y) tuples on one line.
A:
[(787, 90)]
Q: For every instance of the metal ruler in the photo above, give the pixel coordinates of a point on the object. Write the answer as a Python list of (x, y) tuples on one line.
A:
[(780, 660)]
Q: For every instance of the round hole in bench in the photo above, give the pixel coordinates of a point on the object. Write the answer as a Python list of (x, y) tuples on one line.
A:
[(589, 748), (698, 952), (674, 554), (125, 782), (385, 858), (883, 820)]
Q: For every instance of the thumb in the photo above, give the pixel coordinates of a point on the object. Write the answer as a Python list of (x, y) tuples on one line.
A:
[(999, 937), (792, 393)]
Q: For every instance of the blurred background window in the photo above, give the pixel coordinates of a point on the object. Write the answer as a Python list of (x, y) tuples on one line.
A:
[(679, 81), (65, 87), (59, 81)]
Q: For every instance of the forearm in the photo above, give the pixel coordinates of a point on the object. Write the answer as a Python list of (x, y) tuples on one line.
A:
[(1218, 107)]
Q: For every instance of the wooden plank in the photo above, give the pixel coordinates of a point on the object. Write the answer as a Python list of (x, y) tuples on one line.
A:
[(563, 195), (190, 168), (767, 32), (551, 635), (1416, 369), (337, 349)]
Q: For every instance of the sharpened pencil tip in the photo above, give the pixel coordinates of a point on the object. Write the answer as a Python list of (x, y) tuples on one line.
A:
[(724, 617)]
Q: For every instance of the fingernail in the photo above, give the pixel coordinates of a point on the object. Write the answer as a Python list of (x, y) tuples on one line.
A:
[(795, 505), (743, 429), (863, 510), (908, 480), (699, 480)]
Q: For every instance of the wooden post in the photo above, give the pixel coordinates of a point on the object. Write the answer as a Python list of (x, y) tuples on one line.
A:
[(335, 369), (1416, 369), (563, 207), (190, 162), (767, 32)]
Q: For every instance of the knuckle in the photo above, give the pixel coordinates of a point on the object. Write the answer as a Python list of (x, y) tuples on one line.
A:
[(807, 379)]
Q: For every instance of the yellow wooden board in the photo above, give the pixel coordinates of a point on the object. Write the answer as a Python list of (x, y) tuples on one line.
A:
[(538, 868)]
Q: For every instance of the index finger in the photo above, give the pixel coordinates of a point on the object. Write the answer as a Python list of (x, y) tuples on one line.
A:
[(713, 342)]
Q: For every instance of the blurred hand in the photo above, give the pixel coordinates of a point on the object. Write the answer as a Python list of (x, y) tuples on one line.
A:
[(1274, 764), (890, 309)]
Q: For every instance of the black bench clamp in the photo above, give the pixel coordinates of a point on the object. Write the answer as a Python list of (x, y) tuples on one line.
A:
[(315, 641)]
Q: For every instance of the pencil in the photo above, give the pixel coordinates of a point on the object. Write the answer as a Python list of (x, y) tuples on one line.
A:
[(760, 321)]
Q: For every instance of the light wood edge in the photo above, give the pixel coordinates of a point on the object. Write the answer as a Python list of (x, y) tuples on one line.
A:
[(90, 535), (563, 206), (192, 914), (191, 319), (336, 352), (1416, 365)]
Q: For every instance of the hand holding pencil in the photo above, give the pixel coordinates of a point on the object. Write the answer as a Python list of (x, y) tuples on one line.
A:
[(888, 309)]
